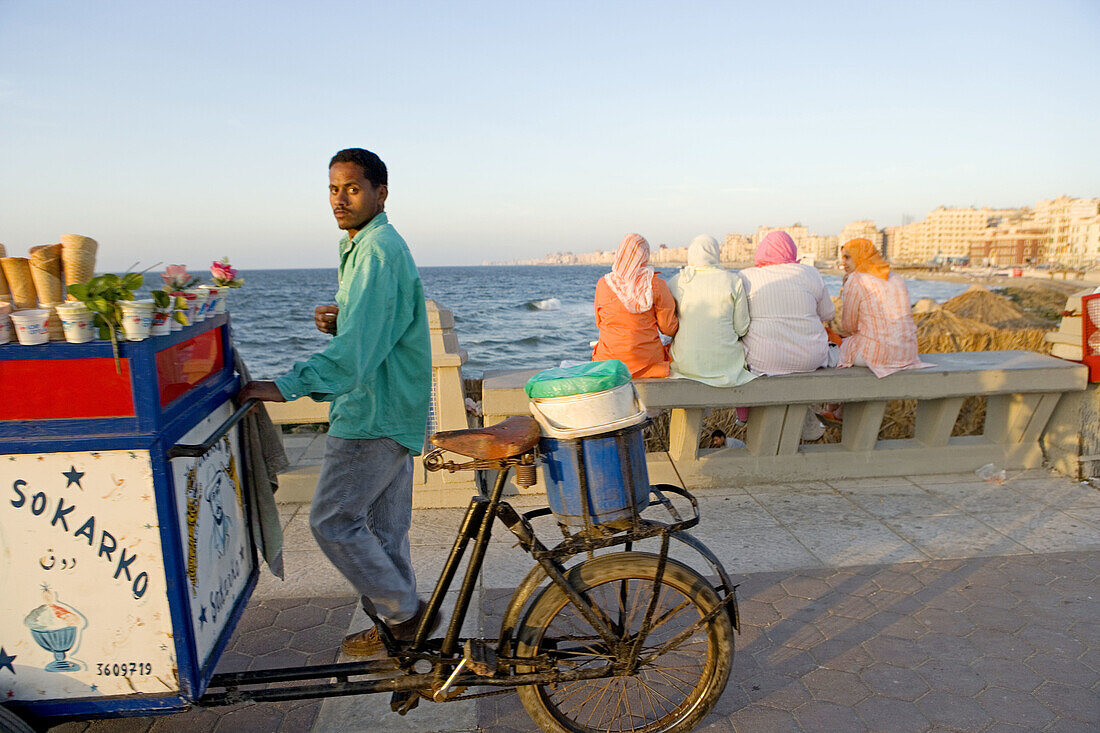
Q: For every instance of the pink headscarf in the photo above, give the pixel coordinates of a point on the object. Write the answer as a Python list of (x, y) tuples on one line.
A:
[(777, 248), (629, 278)]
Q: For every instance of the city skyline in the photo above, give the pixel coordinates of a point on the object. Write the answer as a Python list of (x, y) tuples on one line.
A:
[(187, 132)]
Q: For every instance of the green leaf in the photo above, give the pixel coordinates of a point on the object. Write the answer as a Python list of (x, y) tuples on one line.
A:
[(111, 280), (100, 305), (78, 291), (181, 317), (132, 281), (161, 298)]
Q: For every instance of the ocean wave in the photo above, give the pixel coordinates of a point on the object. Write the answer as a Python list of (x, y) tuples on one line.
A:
[(550, 304)]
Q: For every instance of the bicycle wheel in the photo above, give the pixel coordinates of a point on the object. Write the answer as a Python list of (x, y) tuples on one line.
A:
[(671, 691)]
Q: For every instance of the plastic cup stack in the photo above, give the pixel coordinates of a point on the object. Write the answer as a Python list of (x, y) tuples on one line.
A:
[(5, 322), (30, 326), (198, 306), (137, 319), (77, 322)]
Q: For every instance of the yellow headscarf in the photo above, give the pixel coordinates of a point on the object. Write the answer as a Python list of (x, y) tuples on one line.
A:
[(866, 258)]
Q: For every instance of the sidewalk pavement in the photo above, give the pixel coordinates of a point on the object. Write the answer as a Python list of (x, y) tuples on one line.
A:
[(896, 604)]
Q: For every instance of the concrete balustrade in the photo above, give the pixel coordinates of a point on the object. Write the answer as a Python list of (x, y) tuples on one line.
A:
[(447, 411), (1023, 390)]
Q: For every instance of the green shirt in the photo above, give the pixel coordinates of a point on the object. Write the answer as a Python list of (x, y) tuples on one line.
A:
[(377, 370)]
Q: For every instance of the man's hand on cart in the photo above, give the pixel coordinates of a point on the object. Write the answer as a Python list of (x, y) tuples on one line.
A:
[(324, 317), (263, 391)]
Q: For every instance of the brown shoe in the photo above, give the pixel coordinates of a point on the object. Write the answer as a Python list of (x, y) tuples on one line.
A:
[(368, 643)]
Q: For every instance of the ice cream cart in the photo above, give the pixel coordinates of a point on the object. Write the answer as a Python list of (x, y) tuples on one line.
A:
[(126, 554)]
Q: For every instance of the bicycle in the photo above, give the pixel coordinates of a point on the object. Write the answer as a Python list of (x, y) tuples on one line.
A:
[(597, 637)]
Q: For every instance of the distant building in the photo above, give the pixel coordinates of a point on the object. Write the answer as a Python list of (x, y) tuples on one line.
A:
[(738, 249), (1017, 244), (1067, 221), (862, 230), (945, 234)]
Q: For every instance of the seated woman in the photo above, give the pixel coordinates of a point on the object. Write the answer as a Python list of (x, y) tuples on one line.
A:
[(875, 316), (787, 304), (713, 316), (633, 307)]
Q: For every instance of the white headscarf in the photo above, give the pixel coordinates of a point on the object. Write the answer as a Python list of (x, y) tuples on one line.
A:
[(703, 253)]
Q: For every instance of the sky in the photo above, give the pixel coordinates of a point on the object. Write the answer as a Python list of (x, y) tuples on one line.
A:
[(181, 132)]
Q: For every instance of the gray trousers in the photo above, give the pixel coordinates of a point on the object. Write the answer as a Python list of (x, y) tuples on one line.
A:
[(360, 516)]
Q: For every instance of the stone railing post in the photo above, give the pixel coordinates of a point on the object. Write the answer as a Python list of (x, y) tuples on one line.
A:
[(446, 411)]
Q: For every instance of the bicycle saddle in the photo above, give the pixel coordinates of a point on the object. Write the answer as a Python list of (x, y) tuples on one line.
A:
[(515, 435)]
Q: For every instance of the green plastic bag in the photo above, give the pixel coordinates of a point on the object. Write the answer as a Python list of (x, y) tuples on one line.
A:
[(594, 376)]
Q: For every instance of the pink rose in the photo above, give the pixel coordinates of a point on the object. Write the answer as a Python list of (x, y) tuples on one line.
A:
[(222, 271), (176, 276)]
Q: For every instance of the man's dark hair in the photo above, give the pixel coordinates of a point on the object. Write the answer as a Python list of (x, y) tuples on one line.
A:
[(374, 170)]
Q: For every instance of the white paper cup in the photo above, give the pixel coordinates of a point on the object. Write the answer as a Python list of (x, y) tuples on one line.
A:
[(199, 305), (223, 300), (78, 322), (6, 331), (213, 298), (190, 298), (137, 319), (162, 318), (53, 321), (30, 326)]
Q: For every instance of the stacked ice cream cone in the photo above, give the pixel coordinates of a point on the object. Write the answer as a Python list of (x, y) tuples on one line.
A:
[(17, 271), (78, 258), (5, 292), (41, 278), (45, 263)]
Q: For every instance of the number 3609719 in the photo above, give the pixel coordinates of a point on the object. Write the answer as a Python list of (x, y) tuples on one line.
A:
[(123, 669)]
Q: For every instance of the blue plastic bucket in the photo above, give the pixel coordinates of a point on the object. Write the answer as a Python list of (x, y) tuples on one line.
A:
[(614, 471)]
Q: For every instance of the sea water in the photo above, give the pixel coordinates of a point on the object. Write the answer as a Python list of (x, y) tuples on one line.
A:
[(508, 317)]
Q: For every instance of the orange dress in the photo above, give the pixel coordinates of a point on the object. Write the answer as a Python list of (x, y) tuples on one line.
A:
[(632, 338)]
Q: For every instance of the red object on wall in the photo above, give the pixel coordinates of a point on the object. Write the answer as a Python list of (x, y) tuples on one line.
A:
[(1090, 335), (181, 367), (55, 389)]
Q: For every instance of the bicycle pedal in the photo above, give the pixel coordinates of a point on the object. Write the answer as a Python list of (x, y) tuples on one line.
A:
[(403, 702), (480, 658)]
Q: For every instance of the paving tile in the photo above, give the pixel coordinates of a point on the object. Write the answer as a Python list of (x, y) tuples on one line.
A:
[(835, 686), (984, 496), (761, 549), (953, 536), (994, 618), (1014, 706), (760, 718), (1060, 494), (776, 690), (1007, 673), (297, 535), (957, 678), (1056, 668), (846, 543), (739, 510), (1087, 514), (1070, 701), (301, 618), (882, 482), (1000, 644), (812, 508), (899, 652), (1052, 641), (828, 716), (896, 682), (886, 714), (842, 656), (909, 502), (944, 622), (1049, 530), (953, 711)]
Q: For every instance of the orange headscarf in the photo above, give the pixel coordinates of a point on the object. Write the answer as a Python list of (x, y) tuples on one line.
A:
[(866, 258), (630, 279)]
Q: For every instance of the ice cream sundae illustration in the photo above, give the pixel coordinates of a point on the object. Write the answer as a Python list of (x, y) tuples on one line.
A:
[(56, 628)]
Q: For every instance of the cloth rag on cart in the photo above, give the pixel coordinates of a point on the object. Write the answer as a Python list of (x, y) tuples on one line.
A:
[(265, 459)]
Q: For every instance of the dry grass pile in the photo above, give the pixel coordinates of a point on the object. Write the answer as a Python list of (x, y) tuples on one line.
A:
[(979, 304), (1044, 303)]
